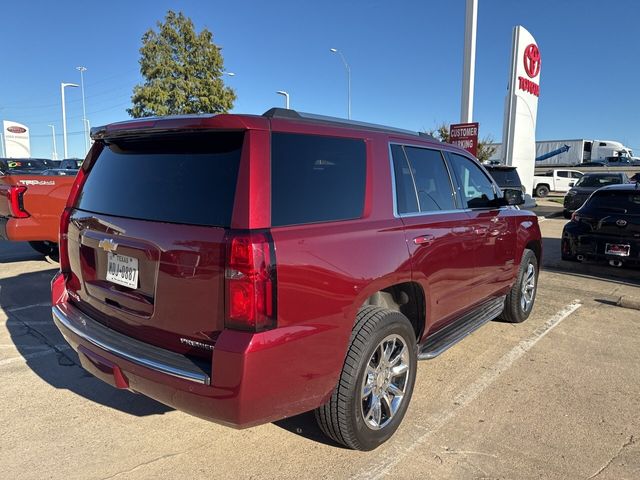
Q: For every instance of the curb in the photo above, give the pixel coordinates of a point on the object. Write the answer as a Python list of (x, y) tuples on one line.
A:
[(626, 301)]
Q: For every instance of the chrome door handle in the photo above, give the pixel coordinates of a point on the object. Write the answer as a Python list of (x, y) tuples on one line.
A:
[(424, 239)]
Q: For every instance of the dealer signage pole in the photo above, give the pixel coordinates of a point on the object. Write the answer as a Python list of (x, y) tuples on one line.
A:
[(469, 61)]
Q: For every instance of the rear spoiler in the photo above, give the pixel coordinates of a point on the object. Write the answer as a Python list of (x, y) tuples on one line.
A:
[(181, 123)]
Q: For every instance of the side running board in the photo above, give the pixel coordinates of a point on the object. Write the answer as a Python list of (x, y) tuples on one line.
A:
[(451, 334)]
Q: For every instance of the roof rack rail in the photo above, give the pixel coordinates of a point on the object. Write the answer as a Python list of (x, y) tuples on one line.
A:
[(295, 115)]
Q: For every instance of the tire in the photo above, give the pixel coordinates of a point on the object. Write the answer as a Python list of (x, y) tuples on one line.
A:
[(565, 251), (542, 191), (44, 248), (566, 214), (519, 302), (350, 415)]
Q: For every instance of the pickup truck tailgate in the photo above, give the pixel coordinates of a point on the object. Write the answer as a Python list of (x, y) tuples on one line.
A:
[(44, 200)]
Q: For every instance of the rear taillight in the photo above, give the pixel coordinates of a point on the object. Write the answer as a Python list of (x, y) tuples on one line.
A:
[(578, 217), (16, 203), (250, 281), (63, 245)]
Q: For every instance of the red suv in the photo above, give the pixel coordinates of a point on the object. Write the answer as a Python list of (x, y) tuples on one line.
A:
[(249, 268)]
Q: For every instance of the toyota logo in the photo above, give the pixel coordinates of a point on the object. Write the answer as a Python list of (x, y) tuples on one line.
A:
[(532, 60), (621, 223)]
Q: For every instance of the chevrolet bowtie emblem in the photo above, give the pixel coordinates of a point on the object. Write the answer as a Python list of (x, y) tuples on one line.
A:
[(108, 245)]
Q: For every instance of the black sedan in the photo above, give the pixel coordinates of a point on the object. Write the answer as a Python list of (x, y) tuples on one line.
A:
[(588, 184), (606, 227)]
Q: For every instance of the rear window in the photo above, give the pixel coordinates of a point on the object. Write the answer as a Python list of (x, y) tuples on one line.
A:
[(616, 201), (316, 178), (506, 177), (598, 180), (188, 179), (8, 165)]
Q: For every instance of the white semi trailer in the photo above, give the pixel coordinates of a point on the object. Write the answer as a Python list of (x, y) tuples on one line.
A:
[(573, 152)]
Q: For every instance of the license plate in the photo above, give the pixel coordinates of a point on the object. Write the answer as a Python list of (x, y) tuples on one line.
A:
[(122, 270), (617, 249)]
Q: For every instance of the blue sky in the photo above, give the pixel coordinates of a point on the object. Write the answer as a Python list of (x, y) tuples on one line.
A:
[(405, 57)]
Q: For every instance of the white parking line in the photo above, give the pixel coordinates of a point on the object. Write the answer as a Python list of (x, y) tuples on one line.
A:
[(29, 356), (396, 455), (25, 307), (30, 324), (19, 346)]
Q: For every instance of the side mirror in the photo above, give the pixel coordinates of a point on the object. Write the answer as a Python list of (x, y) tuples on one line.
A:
[(571, 184), (512, 197)]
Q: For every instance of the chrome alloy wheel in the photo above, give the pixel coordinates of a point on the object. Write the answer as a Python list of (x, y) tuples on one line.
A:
[(528, 288), (385, 381)]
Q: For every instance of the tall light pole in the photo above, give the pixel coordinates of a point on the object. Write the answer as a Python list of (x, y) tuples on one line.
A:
[(64, 115), (84, 111), (286, 98), (469, 61), (54, 155), (346, 65)]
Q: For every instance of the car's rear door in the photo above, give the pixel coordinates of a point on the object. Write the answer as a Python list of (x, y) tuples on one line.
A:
[(439, 235)]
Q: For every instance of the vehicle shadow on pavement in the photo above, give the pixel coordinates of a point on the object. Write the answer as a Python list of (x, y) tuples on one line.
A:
[(25, 299), (305, 425), (23, 257), (552, 262)]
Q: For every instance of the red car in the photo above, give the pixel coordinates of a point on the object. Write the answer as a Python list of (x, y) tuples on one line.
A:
[(246, 268)]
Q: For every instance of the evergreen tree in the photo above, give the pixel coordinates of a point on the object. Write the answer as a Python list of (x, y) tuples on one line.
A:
[(182, 71)]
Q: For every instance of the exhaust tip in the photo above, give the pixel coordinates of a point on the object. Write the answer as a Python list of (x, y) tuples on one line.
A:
[(580, 258), (615, 263)]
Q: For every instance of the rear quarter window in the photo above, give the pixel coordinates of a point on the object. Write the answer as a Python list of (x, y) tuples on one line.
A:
[(316, 178)]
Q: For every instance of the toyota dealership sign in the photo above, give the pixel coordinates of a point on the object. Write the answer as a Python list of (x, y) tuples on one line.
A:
[(521, 106), (532, 62), (16, 140)]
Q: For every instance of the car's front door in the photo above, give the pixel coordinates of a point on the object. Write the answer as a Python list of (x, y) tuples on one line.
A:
[(493, 227)]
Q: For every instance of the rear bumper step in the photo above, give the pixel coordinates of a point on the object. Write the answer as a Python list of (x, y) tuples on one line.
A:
[(69, 318), (444, 339)]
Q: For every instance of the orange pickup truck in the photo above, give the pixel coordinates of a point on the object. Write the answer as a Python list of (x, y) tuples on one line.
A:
[(31, 205)]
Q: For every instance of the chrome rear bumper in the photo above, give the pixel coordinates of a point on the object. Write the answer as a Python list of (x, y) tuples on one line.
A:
[(71, 320)]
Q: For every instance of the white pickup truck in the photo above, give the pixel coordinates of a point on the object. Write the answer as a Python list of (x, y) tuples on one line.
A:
[(556, 180)]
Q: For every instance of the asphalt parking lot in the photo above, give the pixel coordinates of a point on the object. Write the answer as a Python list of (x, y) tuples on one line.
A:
[(555, 397)]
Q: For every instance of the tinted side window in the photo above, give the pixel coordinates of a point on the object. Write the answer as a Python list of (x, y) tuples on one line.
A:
[(563, 174), (474, 188), (316, 178), (431, 179), (576, 175), (406, 199)]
